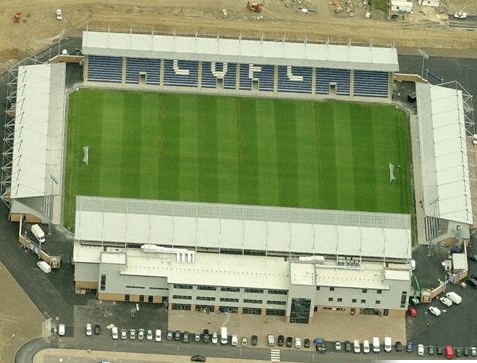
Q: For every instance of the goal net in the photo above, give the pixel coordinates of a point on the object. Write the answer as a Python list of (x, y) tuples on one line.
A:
[(391, 173), (85, 154)]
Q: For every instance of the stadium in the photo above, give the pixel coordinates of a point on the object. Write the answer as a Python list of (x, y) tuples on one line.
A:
[(237, 175)]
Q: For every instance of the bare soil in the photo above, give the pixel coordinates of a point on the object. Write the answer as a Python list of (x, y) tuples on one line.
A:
[(426, 28)]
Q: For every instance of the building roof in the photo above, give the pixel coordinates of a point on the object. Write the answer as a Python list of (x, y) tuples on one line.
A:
[(443, 148), (243, 228), (38, 138), (241, 51)]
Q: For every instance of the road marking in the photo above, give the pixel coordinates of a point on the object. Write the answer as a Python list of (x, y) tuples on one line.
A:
[(275, 355)]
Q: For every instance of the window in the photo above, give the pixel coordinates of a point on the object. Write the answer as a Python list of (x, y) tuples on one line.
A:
[(212, 288), (228, 309), (332, 289), (180, 307), (378, 302), (180, 286), (330, 299), (229, 299), (126, 297), (379, 291), (206, 298), (205, 308), (158, 288), (230, 289), (365, 291), (363, 301), (354, 301), (150, 299), (252, 311), (403, 299), (278, 292), (252, 301), (385, 312), (103, 282), (277, 312), (141, 298), (254, 291), (135, 287), (182, 297), (340, 299), (318, 288)]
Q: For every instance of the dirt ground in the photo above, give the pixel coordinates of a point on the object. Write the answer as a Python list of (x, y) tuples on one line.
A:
[(425, 28), (20, 320)]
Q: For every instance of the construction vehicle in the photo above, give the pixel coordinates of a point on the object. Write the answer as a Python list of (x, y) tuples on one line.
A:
[(17, 17), (256, 6)]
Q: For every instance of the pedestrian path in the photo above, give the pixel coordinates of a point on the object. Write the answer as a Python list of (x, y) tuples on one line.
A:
[(275, 355)]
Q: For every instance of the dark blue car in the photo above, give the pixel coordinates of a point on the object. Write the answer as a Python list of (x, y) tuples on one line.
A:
[(409, 347)]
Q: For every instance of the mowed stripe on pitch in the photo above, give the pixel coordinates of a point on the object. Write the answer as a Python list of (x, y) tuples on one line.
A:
[(148, 146), (131, 152), (112, 144), (227, 150), (267, 153), (189, 148), (306, 155)]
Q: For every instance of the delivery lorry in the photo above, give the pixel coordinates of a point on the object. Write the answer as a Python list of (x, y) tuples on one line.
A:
[(44, 266), (38, 233)]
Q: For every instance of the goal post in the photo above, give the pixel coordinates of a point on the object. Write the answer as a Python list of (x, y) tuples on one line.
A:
[(85, 154), (391, 173)]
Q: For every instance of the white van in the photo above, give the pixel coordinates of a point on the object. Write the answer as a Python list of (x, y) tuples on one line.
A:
[(376, 347), (356, 346), (387, 344), (452, 296), (44, 266), (61, 330), (365, 346), (38, 233), (271, 340), (224, 338)]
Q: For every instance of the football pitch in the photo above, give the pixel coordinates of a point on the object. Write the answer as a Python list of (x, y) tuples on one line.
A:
[(241, 150)]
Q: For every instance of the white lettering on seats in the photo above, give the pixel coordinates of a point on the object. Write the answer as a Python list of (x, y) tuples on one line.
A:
[(293, 77), (251, 70), (218, 74), (177, 70)]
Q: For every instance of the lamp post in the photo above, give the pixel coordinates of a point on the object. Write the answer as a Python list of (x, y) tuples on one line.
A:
[(424, 57), (50, 209)]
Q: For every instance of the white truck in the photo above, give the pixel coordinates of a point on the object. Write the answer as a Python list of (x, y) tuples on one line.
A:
[(224, 338), (38, 233)]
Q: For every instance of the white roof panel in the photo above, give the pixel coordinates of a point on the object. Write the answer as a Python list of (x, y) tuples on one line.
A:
[(241, 227), (443, 149), (241, 51), (39, 131)]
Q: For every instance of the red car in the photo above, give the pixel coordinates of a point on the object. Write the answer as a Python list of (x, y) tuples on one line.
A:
[(412, 311)]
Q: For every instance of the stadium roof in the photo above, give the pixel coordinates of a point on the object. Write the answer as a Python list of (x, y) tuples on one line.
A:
[(241, 51), (38, 139), (238, 227), (443, 150)]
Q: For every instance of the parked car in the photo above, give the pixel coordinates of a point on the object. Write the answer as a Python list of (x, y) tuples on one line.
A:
[(420, 349), (61, 330), (206, 336), (289, 342), (59, 14), (473, 351), (254, 340), (140, 334), (439, 350), (449, 351), (114, 333), (196, 337), (319, 344), (244, 341), (185, 337), (412, 311), (149, 334), (177, 335), (170, 335), (455, 298), (434, 311), (458, 352), (446, 301), (97, 329), (466, 351), (348, 346), (234, 340), (306, 343), (298, 343), (280, 340), (132, 334), (366, 346), (356, 346), (88, 330), (472, 257), (337, 346), (198, 358), (123, 334), (409, 347), (430, 350), (398, 346), (158, 335), (215, 338)]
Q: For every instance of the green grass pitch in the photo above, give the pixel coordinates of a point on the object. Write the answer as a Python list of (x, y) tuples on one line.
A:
[(257, 151)]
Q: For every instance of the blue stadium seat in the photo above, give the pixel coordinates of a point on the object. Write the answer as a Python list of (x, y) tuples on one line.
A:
[(135, 66), (105, 69), (181, 73), (212, 72), (371, 84), (294, 79), (325, 76)]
